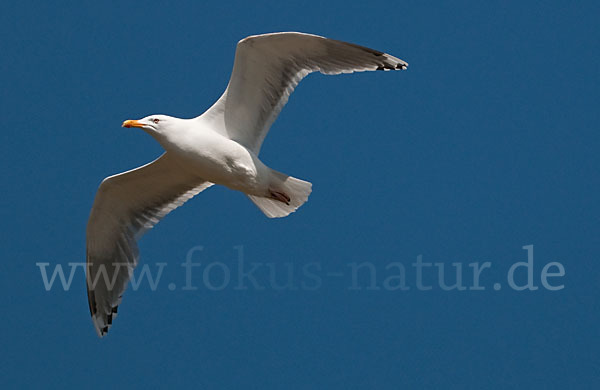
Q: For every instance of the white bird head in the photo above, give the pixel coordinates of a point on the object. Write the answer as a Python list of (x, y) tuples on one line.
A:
[(170, 132), (153, 124)]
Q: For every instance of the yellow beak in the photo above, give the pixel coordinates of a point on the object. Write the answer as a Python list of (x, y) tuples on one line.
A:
[(132, 123)]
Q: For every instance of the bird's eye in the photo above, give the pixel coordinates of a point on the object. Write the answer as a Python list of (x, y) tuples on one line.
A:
[(156, 120)]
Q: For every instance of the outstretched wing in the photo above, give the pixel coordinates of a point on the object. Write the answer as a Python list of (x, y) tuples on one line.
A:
[(126, 206), (266, 70)]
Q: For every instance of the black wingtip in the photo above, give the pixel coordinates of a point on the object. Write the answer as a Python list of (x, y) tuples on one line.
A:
[(391, 66)]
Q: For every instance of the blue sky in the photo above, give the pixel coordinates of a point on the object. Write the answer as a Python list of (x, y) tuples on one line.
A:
[(488, 143)]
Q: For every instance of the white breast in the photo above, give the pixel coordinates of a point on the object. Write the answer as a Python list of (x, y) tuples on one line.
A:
[(218, 159)]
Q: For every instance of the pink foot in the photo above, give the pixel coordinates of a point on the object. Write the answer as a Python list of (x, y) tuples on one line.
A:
[(280, 196)]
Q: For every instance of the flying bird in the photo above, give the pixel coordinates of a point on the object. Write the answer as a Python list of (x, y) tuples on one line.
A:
[(220, 146)]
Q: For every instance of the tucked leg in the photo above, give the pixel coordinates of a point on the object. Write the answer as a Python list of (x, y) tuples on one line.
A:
[(280, 196)]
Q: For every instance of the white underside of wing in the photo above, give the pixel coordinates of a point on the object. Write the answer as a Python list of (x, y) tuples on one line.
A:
[(126, 206), (266, 70)]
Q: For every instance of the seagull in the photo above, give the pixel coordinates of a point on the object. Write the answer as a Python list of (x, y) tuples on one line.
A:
[(220, 146)]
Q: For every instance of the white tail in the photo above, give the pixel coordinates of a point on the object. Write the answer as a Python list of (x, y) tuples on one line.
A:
[(298, 191)]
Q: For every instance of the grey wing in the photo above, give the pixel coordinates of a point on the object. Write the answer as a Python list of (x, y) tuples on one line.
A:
[(125, 207), (266, 70)]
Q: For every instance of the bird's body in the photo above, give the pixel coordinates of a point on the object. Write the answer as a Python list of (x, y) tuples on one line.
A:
[(214, 157), (220, 146)]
